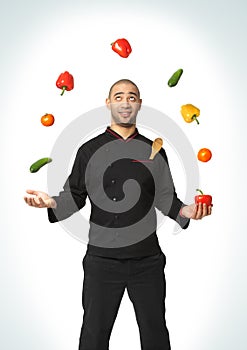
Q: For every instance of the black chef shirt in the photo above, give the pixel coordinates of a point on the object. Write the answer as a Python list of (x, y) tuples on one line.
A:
[(124, 187)]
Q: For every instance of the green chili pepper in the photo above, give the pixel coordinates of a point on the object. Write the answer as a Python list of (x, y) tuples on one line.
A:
[(175, 78), (39, 163)]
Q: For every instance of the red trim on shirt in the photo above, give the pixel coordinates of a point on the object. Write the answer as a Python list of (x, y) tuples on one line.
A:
[(142, 161), (120, 137), (130, 138), (114, 134)]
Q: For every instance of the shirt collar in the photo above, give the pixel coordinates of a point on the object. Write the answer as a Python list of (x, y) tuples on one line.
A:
[(115, 135)]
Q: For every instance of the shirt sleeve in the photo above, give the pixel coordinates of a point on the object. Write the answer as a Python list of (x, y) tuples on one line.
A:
[(74, 194), (166, 199)]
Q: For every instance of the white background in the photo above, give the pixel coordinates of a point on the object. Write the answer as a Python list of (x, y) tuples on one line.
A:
[(41, 272)]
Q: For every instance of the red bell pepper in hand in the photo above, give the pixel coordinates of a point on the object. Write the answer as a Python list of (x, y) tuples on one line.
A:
[(121, 47), (65, 81), (203, 198)]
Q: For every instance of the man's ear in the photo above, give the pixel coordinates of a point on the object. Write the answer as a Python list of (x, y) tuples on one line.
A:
[(140, 102), (107, 102)]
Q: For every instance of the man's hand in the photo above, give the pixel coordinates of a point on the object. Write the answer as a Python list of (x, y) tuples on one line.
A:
[(196, 211), (39, 199)]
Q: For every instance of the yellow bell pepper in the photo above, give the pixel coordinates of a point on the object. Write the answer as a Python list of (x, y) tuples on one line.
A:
[(190, 113)]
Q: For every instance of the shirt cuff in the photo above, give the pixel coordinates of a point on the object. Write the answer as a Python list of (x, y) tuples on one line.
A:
[(182, 220)]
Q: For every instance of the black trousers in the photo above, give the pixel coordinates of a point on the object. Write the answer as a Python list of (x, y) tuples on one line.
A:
[(105, 280)]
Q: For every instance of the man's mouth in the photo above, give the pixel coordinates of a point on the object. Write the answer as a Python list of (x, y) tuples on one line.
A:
[(125, 114)]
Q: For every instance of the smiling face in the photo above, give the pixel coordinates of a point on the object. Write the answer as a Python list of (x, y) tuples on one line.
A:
[(124, 103)]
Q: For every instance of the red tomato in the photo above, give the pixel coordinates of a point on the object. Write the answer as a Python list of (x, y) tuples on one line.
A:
[(204, 155), (47, 119)]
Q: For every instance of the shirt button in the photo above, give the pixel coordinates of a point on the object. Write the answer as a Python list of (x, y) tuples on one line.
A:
[(114, 199), (116, 216), (117, 234), (113, 181)]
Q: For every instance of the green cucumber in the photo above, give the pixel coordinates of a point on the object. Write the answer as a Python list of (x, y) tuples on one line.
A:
[(175, 78), (39, 163)]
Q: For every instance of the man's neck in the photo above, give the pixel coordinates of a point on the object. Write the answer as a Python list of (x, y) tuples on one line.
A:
[(123, 131)]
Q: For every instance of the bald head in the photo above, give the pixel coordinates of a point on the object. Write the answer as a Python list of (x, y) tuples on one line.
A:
[(124, 81)]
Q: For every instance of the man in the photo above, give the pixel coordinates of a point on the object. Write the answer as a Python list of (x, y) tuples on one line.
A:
[(123, 249)]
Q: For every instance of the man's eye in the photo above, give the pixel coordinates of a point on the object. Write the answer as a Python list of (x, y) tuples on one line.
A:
[(118, 98), (132, 98)]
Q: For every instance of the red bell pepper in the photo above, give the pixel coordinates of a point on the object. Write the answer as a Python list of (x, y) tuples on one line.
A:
[(122, 47), (65, 81), (203, 198)]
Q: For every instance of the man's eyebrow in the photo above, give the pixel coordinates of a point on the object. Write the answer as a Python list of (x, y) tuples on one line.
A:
[(121, 93)]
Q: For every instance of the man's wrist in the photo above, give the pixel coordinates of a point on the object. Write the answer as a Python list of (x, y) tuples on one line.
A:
[(53, 204), (181, 212)]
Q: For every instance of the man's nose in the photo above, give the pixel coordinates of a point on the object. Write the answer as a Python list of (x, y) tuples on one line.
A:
[(126, 103)]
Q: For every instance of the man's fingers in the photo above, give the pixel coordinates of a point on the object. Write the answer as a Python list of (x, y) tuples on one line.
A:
[(39, 202), (194, 213), (207, 210), (210, 210), (199, 211), (204, 210), (32, 192), (36, 200), (42, 203), (33, 202), (26, 199)]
